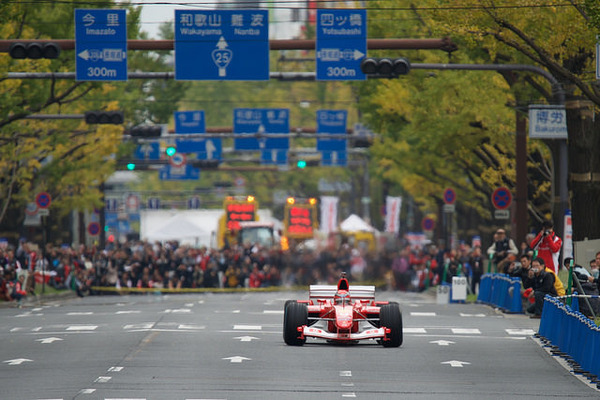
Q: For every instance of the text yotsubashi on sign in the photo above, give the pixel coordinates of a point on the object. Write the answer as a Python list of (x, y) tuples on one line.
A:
[(221, 45), (100, 45), (341, 44)]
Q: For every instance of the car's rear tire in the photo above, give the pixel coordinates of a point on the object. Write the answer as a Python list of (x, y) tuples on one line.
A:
[(294, 315), (390, 317)]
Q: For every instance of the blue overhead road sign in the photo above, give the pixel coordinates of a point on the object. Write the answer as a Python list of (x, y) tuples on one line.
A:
[(205, 149), (222, 45), (341, 44), (334, 158), (189, 122), (147, 151), (274, 157), (261, 120), (332, 122), (171, 173), (100, 45)]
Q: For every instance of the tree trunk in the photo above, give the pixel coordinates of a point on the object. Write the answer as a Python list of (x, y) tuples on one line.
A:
[(584, 167)]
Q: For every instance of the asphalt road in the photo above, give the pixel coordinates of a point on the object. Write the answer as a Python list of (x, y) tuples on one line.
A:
[(230, 346)]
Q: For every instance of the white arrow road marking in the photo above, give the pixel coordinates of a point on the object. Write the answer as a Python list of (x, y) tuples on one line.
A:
[(464, 331), (237, 359), (17, 361), (246, 338), (456, 363), (48, 340), (82, 328), (102, 379), (422, 314), (247, 327), (37, 329), (472, 315), (524, 332), (414, 330), (442, 342)]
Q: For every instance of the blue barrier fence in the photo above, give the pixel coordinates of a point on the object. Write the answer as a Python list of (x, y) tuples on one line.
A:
[(502, 291), (575, 336)]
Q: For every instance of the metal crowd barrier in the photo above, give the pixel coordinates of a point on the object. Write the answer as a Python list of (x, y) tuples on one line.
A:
[(572, 335), (502, 291)]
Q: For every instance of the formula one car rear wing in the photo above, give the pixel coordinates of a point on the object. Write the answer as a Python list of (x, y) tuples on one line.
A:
[(327, 292)]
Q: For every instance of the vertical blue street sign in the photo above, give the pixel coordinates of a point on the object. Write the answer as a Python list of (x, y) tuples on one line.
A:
[(341, 44), (147, 151), (189, 122), (222, 45), (332, 122), (153, 203), (100, 45), (261, 120), (334, 158), (274, 157)]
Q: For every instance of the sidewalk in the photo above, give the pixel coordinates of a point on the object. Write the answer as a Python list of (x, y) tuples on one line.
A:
[(32, 301)]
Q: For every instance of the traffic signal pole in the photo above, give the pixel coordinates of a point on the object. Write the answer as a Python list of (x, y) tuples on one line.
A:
[(444, 44)]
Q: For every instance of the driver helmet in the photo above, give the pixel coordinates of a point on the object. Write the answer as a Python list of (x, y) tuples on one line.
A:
[(342, 297)]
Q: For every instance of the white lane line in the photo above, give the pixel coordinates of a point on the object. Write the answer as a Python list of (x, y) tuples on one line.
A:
[(466, 331), (48, 340), (144, 325), (472, 315), (128, 312), (115, 369), (423, 314), (520, 332), (247, 327), (351, 394), (414, 330), (178, 311), (87, 391), (102, 379), (345, 373), (237, 359), (348, 384), (273, 312), (246, 338), (81, 313), (191, 327), (82, 327)]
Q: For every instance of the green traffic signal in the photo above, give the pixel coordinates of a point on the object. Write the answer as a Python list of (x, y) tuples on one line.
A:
[(301, 164), (171, 151), (130, 166)]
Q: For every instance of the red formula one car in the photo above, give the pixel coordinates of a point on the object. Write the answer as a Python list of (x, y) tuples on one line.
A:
[(342, 314)]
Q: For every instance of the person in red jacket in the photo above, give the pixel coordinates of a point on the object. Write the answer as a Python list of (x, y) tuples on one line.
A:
[(548, 244)]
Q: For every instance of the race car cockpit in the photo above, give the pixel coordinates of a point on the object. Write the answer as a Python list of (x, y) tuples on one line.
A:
[(342, 297)]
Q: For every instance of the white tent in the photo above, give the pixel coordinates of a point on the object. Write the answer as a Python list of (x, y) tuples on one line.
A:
[(354, 223), (180, 228)]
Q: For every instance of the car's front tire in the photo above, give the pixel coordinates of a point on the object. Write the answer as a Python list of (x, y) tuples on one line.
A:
[(294, 315), (390, 317)]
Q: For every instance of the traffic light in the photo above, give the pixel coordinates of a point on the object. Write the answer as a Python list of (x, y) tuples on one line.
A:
[(130, 166), (301, 164), (170, 151), (145, 131), (385, 67), (33, 50), (104, 117)]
